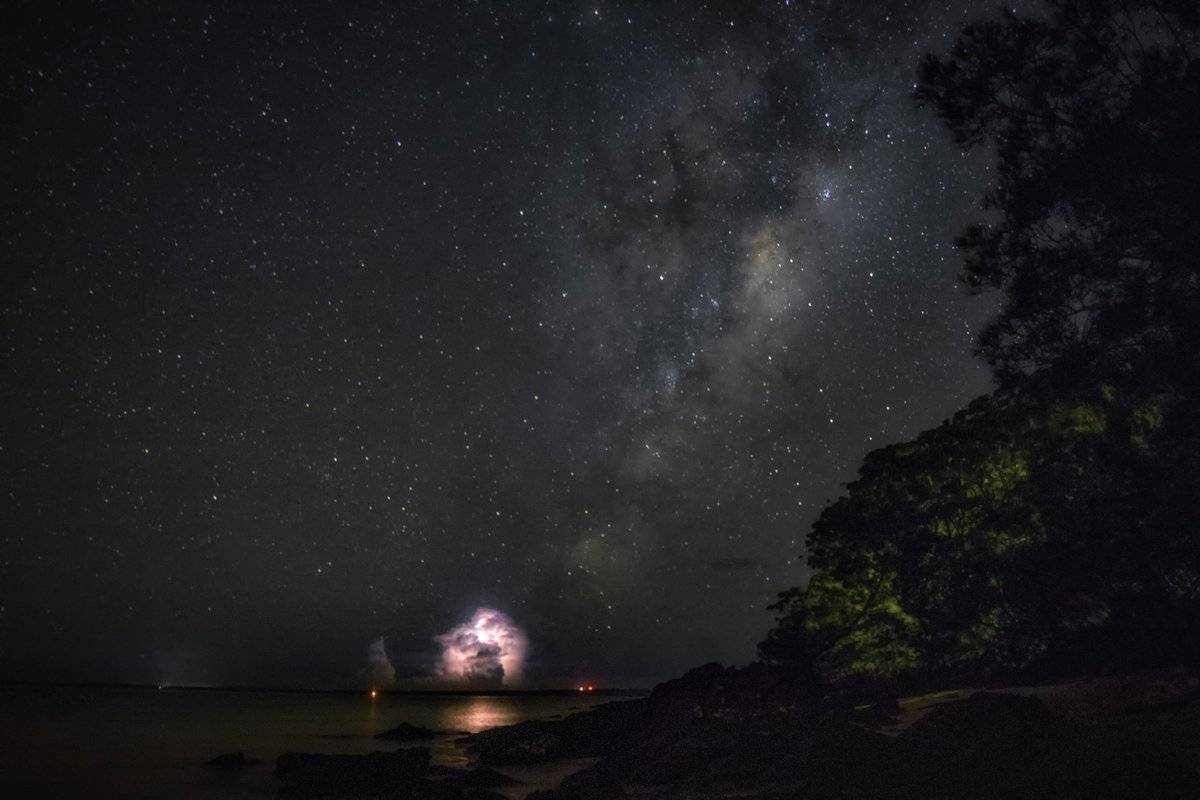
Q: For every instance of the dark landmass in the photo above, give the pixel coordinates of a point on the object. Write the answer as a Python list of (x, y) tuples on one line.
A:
[(404, 732), (231, 761), (487, 777), (315, 774), (720, 732), (756, 732), (403, 773)]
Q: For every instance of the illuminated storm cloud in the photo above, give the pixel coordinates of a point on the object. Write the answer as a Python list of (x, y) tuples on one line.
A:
[(488, 649)]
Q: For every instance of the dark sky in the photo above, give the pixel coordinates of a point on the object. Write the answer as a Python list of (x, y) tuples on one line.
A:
[(339, 321)]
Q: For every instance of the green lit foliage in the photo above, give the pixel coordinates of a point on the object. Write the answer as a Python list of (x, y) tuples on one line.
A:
[(1056, 523), (844, 628), (1013, 535), (1080, 419), (934, 515), (1147, 418)]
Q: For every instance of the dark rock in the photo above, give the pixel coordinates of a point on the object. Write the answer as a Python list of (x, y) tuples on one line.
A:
[(746, 733), (230, 761), (602, 780), (702, 678), (551, 794), (838, 757), (1153, 752), (433, 790), (712, 690), (991, 745), (523, 743), (315, 774), (486, 776), (595, 732), (878, 712), (984, 716), (405, 732)]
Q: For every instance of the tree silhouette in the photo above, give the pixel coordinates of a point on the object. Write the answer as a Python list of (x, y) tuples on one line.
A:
[(1053, 524), (1094, 115)]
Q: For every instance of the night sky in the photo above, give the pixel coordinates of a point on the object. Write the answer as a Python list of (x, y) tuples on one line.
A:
[(340, 321)]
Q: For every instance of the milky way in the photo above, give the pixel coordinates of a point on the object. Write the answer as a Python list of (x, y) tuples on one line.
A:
[(322, 323)]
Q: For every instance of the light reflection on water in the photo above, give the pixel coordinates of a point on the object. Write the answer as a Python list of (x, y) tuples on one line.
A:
[(485, 712), (93, 743)]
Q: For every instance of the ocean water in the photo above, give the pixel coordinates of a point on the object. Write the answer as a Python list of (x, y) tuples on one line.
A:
[(145, 743)]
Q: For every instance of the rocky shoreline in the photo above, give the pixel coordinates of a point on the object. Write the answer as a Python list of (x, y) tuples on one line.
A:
[(750, 733), (718, 733)]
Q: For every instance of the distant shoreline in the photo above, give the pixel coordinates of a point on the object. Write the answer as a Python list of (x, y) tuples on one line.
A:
[(609, 692)]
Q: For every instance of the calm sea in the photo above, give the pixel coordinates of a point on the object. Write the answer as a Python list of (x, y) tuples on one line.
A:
[(147, 743)]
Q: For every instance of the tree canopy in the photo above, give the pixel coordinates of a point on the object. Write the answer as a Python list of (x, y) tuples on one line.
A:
[(1051, 524), (1094, 114)]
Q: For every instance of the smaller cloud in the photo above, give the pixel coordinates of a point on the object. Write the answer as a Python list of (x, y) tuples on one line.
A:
[(380, 671)]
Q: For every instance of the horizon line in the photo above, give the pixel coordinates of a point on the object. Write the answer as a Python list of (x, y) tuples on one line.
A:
[(477, 691)]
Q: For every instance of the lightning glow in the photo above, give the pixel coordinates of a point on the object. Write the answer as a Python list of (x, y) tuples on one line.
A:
[(490, 648)]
